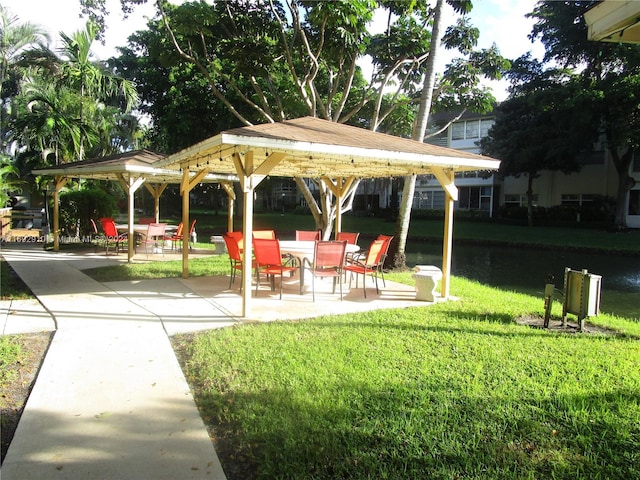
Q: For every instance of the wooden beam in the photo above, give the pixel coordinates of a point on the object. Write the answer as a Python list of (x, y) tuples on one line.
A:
[(338, 187), (231, 196), (250, 177), (185, 221), (272, 160), (60, 182), (446, 179), (156, 191), (447, 246), (247, 232), (130, 185), (190, 183)]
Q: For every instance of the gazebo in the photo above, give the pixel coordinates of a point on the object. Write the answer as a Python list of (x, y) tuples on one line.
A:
[(615, 21), (132, 170), (313, 148)]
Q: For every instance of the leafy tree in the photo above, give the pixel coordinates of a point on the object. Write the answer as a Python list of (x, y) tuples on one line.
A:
[(77, 207), (15, 40), (174, 94), (71, 104), (90, 80), (541, 126), (458, 87), (610, 72), (9, 182), (268, 61)]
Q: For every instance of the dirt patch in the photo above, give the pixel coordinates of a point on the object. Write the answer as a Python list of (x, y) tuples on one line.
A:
[(571, 326), (16, 391)]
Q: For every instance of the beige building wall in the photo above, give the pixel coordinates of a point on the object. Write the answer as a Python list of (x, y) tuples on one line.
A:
[(550, 186)]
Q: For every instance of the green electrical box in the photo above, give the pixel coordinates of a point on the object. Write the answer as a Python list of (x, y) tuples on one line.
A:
[(581, 294)]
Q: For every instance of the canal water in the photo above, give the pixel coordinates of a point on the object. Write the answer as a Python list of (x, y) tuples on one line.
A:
[(526, 270)]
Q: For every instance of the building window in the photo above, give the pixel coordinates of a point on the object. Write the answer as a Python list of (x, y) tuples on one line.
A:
[(576, 199), (485, 126), (635, 166), (457, 131), (473, 129), (475, 198), (634, 202), (519, 200), (429, 200)]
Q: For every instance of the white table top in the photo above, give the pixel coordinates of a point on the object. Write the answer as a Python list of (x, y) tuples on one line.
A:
[(305, 248), (143, 227)]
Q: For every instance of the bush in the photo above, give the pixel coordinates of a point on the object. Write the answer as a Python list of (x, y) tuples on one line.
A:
[(83, 205), (600, 211)]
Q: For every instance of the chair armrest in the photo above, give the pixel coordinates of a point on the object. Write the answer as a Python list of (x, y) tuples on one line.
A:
[(289, 259)]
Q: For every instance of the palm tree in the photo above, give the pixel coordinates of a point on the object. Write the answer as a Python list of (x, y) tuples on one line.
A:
[(89, 79), (9, 182), (15, 40), (48, 122)]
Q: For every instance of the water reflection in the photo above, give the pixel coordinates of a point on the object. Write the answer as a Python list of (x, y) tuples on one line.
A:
[(527, 270)]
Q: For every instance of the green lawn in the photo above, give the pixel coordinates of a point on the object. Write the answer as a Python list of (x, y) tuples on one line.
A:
[(455, 390)]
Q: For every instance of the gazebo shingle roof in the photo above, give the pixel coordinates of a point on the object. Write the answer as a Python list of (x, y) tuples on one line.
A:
[(319, 148)]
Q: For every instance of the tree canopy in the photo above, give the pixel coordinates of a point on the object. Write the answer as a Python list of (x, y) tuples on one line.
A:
[(266, 61), (583, 92)]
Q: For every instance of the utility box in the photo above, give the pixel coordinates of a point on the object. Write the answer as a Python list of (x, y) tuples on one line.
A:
[(581, 294)]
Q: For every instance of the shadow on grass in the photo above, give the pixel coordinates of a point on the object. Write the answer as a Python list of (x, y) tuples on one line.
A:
[(395, 432)]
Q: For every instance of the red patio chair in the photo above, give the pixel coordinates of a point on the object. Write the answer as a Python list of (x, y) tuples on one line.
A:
[(235, 255), (387, 241), (350, 237), (269, 261), (328, 262), (307, 235), (112, 237), (238, 236), (175, 237), (269, 234), (154, 237), (368, 264)]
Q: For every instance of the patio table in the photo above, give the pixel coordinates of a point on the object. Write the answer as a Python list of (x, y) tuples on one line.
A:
[(302, 249), (142, 228)]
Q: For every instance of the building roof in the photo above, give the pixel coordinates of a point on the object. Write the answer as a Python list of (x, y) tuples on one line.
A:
[(312, 147), (614, 21), (136, 162)]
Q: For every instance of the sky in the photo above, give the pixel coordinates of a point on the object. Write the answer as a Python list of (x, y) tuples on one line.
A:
[(501, 22)]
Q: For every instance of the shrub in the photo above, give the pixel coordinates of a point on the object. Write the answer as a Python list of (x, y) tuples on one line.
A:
[(83, 205)]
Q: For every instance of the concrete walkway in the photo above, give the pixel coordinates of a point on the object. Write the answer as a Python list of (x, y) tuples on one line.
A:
[(110, 401)]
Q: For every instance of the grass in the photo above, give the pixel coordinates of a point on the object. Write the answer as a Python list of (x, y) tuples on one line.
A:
[(11, 287), (455, 390), (204, 266), (10, 354)]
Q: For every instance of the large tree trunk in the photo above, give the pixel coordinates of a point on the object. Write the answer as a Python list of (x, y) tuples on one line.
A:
[(530, 199), (398, 245), (324, 212), (625, 183)]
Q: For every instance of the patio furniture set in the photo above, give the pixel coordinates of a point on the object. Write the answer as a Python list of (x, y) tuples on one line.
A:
[(310, 257), (148, 232)]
